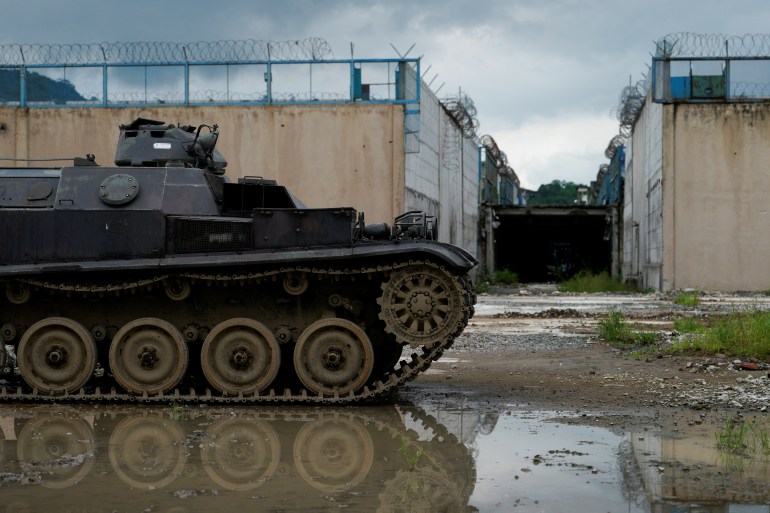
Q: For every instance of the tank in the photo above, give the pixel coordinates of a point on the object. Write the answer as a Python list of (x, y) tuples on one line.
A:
[(159, 279)]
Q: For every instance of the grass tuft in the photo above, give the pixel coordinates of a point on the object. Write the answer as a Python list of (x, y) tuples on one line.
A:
[(506, 277), (689, 325), (687, 298), (411, 454), (741, 334), (585, 281), (614, 329), (741, 437)]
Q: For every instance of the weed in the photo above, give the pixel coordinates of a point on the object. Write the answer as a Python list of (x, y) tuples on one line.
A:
[(740, 334), (585, 281), (178, 411), (615, 329), (687, 298), (689, 325), (482, 286), (506, 277), (411, 454), (761, 439), (733, 437)]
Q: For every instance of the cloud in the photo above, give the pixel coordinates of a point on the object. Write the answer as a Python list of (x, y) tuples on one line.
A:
[(567, 147)]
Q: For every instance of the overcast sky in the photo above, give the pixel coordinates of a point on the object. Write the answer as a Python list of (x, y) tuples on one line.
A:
[(545, 75)]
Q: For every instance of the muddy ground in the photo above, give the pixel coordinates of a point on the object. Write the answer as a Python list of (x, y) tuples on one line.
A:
[(535, 348)]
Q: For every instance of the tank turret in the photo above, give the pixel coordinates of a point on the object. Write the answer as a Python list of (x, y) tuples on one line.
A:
[(150, 143)]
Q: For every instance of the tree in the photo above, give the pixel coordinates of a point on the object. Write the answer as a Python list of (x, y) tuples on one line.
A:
[(558, 192), (39, 88)]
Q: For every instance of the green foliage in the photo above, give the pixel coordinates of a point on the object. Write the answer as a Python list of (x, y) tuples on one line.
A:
[(411, 455), (178, 411), (558, 192), (585, 281), (39, 88), (740, 334), (689, 325), (733, 437), (506, 277), (687, 299), (743, 438), (614, 329), (481, 284)]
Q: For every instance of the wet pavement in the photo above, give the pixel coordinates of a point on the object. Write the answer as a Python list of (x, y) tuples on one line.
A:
[(388, 459)]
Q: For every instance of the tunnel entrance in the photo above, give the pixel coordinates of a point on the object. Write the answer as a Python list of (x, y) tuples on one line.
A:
[(547, 243)]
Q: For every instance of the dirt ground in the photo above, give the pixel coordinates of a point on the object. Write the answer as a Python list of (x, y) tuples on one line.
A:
[(536, 348)]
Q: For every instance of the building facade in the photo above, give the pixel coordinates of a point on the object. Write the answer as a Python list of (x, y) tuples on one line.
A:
[(697, 191)]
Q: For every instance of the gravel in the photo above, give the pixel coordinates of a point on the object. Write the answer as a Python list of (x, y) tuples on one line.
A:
[(529, 343)]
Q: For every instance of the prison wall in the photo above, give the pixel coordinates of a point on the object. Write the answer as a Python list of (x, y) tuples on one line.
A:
[(327, 155), (442, 177), (717, 196), (643, 201)]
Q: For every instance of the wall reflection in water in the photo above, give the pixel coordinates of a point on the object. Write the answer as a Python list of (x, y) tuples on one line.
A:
[(687, 473), (388, 459)]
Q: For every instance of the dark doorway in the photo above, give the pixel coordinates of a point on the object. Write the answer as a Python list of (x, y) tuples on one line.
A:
[(552, 243)]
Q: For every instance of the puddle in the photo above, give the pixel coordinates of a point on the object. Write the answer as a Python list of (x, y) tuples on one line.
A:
[(385, 459)]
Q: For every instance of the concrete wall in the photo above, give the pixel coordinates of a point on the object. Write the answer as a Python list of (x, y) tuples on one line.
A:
[(328, 155), (698, 193), (717, 196), (643, 200), (442, 178)]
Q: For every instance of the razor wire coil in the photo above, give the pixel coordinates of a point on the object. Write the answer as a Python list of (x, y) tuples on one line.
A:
[(158, 52)]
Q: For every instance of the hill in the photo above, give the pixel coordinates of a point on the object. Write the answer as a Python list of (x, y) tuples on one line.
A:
[(39, 88)]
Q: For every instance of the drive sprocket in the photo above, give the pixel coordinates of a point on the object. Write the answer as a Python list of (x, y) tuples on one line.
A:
[(422, 304)]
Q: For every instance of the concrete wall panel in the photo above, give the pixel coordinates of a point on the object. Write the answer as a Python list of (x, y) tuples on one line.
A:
[(339, 155), (721, 195)]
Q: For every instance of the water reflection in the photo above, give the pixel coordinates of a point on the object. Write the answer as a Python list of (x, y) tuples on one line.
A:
[(207, 459), (384, 459), (687, 473)]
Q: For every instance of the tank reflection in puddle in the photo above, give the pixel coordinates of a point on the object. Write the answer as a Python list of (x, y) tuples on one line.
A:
[(101, 459)]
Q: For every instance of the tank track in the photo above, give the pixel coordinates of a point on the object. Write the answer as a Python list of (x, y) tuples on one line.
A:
[(377, 390)]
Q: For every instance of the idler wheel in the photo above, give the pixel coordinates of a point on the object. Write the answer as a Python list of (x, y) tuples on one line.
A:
[(333, 355), (147, 453), (245, 452), (421, 305), (333, 454), (240, 356), (149, 356), (56, 355)]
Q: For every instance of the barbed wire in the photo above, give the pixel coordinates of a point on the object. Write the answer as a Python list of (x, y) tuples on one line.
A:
[(157, 52), (463, 111), (754, 90), (691, 44), (493, 151), (630, 104), (198, 96), (615, 143)]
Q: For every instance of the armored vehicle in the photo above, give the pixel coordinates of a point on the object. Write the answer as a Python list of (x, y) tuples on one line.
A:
[(160, 279)]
